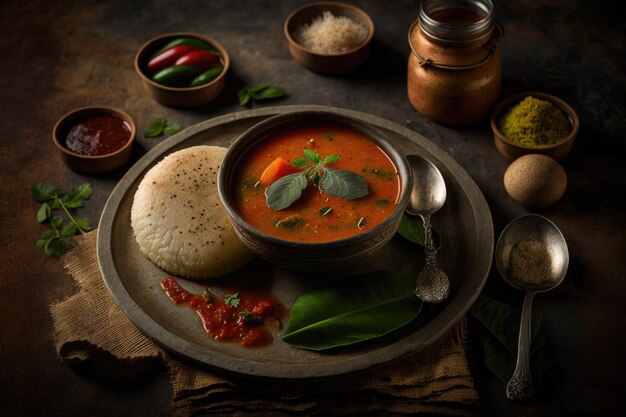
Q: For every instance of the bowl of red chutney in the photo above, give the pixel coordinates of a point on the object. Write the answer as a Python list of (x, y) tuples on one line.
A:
[(94, 139), (314, 190)]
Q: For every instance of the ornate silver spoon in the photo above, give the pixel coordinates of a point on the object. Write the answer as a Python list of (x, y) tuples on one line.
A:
[(428, 196)]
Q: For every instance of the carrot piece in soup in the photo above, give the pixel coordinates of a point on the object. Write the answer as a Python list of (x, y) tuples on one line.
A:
[(277, 169)]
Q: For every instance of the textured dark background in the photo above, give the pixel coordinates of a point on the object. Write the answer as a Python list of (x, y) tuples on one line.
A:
[(60, 55)]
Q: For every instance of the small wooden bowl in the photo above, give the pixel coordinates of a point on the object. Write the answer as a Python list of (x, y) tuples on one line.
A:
[(512, 150), (92, 164), (180, 97), (328, 63)]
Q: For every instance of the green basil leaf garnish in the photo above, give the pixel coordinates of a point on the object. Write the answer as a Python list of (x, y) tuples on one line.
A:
[(284, 191), (343, 183)]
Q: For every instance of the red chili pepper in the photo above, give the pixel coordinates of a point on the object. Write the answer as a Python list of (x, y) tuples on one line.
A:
[(200, 59), (167, 57)]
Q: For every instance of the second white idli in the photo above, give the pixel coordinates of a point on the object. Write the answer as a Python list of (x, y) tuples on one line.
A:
[(179, 221)]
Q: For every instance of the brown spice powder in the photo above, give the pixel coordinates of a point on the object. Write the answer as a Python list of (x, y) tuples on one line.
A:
[(530, 262)]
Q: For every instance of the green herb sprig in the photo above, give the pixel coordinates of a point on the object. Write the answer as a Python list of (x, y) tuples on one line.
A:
[(232, 299), (54, 241), (340, 183), (160, 125), (259, 92)]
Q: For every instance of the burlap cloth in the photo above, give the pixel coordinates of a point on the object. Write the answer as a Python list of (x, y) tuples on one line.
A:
[(92, 333)]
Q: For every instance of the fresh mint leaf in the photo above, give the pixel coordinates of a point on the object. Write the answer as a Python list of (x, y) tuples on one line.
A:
[(300, 162), (56, 246), (42, 191), (329, 159), (53, 241), (82, 224), (75, 196), (232, 299), (56, 222), (161, 125), (43, 213), (343, 183), (268, 93), (244, 96), (172, 127), (156, 128), (312, 156), (261, 91), (284, 191), (259, 87), (69, 230)]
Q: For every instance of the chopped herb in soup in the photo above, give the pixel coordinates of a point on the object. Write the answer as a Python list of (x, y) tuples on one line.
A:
[(316, 184)]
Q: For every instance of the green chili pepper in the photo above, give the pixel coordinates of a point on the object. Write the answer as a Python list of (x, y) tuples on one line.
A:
[(196, 43), (206, 76), (176, 75)]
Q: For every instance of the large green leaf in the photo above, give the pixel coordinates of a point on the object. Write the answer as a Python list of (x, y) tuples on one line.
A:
[(361, 308)]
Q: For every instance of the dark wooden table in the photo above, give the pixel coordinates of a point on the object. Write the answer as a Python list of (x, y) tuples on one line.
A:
[(60, 55)]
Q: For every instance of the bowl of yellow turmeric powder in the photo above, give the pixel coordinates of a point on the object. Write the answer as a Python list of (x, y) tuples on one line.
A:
[(533, 122)]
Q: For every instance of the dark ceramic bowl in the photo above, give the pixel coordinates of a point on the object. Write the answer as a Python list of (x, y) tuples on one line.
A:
[(512, 150), (325, 256), (180, 97), (337, 63), (92, 164)]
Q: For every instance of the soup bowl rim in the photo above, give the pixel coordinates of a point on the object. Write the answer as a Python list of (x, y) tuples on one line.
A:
[(261, 130)]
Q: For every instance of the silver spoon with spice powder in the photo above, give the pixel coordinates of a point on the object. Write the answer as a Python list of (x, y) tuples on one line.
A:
[(531, 255)]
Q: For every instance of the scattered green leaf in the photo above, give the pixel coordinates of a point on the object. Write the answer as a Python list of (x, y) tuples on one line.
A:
[(171, 128), (54, 241), (262, 91), (378, 172), (160, 125), (290, 222), (325, 211), (362, 308)]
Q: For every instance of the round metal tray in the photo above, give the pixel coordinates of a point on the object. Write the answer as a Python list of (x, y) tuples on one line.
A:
[(464, 224)]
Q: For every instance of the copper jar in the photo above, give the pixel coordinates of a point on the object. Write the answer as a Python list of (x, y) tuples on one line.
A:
[(455, 66)]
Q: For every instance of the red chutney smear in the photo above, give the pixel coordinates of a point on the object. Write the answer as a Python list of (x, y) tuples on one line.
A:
[(99, 134), (248, 322)]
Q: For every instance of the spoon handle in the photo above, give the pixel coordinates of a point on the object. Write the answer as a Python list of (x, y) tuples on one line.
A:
[(429, 245), (520, 386)]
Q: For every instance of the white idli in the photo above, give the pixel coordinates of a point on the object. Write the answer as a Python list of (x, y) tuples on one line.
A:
[(179, 221)]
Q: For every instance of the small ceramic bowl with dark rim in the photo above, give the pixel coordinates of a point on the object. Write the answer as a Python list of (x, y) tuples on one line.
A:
[(94, 139), (332, 62), (512, 150), (331, 255), (206, 63)]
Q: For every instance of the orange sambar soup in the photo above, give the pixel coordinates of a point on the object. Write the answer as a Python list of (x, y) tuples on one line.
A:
[(317, 216)]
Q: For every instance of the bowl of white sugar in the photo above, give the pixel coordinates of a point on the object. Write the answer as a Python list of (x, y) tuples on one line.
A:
[(329, 37)]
